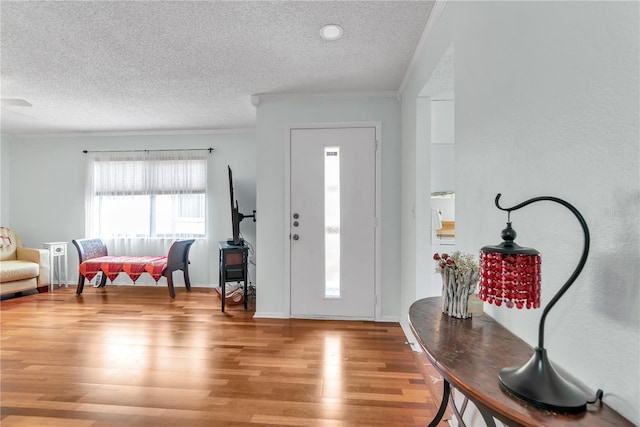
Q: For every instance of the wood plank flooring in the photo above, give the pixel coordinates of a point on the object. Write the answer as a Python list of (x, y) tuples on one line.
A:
[(131, 356)]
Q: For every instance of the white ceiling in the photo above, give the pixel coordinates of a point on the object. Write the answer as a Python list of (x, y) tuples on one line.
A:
[(122, 66)]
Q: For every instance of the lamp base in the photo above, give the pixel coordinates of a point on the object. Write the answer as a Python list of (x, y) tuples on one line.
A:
[(538, 383)]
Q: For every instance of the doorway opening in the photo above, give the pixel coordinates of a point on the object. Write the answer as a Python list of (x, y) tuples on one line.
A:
[(435, 185)]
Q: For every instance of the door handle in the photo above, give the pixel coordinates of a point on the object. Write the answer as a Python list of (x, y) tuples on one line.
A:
[(295, 237)]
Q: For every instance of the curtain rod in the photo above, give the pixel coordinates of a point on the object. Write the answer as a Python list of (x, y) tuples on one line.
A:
[(210, 150)]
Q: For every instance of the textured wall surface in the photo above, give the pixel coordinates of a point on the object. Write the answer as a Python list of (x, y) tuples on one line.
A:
[(551, 110)]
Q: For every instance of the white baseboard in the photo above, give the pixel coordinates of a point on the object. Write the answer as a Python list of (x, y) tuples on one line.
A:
[(267, 315), (389, 319), (263, 315), (411, 338)]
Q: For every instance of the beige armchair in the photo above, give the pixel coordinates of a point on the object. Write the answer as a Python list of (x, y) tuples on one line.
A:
[(22, 269)]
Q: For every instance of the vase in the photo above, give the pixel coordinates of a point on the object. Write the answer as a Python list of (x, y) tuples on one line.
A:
[(455, 293)]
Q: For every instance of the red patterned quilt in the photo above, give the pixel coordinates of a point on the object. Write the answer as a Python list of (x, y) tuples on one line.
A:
[(134, 266)]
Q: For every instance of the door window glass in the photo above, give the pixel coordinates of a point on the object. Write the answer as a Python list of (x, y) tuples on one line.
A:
[(332, 221)]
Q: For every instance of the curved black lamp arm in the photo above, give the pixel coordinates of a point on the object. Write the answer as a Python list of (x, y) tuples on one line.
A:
[(583, 258)]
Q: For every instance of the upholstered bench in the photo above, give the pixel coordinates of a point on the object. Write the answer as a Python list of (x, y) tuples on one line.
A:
[(94, 258)]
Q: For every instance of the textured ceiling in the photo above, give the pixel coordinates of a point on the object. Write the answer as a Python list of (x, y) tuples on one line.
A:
[(120, 66)]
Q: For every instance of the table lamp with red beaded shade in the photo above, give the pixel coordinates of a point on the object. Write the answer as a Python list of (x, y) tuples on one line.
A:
[(510, 275)]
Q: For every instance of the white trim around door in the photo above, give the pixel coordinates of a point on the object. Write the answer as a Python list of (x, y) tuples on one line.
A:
[(287, 207)]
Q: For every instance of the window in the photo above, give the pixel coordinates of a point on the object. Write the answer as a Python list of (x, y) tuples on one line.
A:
[(332, 222), (151, 194)]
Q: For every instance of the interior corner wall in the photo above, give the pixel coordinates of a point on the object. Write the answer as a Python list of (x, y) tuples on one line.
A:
[(47, 188), (547, 104), (273, 117), (4, 180)]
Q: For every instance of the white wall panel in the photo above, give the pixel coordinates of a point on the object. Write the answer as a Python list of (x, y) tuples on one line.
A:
[(273, 116), (549, 110)]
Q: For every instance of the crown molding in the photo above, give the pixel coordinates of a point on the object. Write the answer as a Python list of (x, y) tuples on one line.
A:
[(434, 17), (257, 99), (132, 133)]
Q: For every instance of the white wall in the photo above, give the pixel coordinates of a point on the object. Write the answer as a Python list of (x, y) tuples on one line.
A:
[(547, 104), (273, 115), (442, 167), (442, 146), (443, 122), (47, 183), (4, 179)]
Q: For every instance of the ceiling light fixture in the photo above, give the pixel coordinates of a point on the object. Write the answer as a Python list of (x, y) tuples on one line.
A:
[(331, 32)]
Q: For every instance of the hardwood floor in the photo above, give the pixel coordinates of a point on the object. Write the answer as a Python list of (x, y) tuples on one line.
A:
[(130, 356)]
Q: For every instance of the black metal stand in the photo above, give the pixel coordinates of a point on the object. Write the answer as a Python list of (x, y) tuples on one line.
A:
[(446, 392), (233, 264), (242, 216)]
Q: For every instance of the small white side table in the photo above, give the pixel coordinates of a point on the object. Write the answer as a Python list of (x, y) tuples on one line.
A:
[(57, 258)]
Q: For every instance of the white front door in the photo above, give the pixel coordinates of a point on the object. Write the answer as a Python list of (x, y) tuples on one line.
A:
[(332, 223)]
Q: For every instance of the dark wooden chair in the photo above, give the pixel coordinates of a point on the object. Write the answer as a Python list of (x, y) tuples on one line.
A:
[(178, 259)]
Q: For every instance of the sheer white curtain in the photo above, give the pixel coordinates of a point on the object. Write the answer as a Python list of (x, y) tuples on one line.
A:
[(140, 202)]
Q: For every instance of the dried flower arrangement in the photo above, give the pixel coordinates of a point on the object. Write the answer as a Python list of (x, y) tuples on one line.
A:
[(459, 273)]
